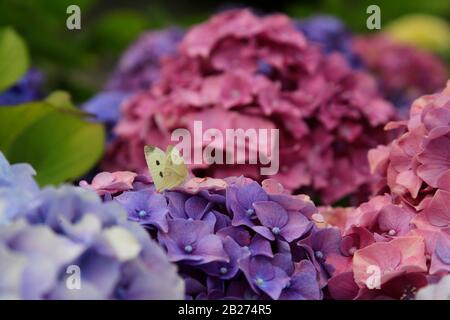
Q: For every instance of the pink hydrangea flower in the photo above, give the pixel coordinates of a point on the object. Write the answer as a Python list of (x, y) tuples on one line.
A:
[(405, 232), (401, 255), (239, 70), (416, 165), (107, 182)]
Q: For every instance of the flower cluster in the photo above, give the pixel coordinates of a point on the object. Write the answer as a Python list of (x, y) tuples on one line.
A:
[(416, 166), (66, 243), (238, 70), (27, 89), (105, 107), (231, 238), (401, 238), (17, 189), (404, 72)]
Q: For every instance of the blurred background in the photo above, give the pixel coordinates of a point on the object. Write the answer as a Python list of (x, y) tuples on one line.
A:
[(80, 61)]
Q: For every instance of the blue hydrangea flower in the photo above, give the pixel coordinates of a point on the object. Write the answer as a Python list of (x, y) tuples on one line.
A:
[(105, 106), (331, 34), (17, 189), (69, 229), (27, 89)]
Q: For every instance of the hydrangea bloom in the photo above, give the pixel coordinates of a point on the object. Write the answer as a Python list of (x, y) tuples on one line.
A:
[(405, 72), (405, 232), (387, 253), (17, 189), (238, 70), (416, 165), (27, 89), (234, 238), (105, 106), (69, 229)]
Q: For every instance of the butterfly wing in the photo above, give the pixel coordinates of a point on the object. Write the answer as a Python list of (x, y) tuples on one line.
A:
[(156, 162), (175, 171)]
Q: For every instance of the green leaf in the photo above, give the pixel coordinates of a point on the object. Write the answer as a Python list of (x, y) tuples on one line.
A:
[(14, 59), (58, 142), (61, 99)]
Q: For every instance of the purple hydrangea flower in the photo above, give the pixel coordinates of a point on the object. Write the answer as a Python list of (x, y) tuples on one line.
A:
[(240, 200), (263, 275), (226, 270), (27, 89), (139, 66), (145, 207), (318, 246), (303, 283), (193, 241), (256, 245), (278, 222), (222, 251), (187, 207)]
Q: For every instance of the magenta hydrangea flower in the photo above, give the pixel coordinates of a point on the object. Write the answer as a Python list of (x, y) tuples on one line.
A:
[(110, 183), (404, 72), (238, 70), (220, 257)]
